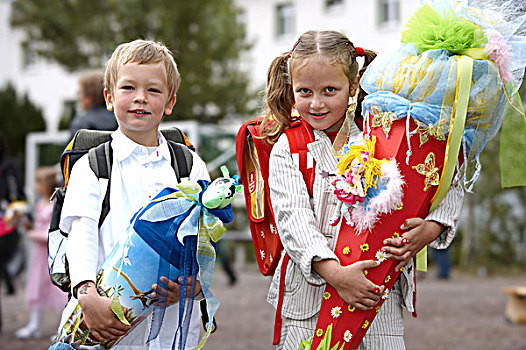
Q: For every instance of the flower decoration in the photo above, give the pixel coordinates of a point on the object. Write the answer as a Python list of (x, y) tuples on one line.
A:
[(400, 206), (326, 295), (387, 278), (365, 324), (386, 294), (377, 309), (351, 308), (347, 336), (336, 312), (381, 256), (319, 332), (499, 52), (364, 247), (262, 254), (346, 250), (365, 272), (396, 235)]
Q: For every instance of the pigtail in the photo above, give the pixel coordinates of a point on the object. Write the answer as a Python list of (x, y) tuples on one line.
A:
[(279, 99), (369, 56)]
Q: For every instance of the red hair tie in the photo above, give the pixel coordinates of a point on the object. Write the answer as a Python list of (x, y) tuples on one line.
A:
[(359, 51)]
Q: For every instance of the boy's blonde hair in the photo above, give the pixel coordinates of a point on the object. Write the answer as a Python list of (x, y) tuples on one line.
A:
[(142, 52)]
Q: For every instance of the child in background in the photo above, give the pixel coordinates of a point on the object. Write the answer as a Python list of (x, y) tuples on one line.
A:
[(40, 293), (319, 77), (141, 81)]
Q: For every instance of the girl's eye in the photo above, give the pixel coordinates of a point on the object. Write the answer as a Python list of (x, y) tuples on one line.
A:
[(330, 89), (127, 87), (304, 90), (155, 90)]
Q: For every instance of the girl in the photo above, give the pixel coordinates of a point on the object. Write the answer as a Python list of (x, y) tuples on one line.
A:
[(319, 77), (40, 293)]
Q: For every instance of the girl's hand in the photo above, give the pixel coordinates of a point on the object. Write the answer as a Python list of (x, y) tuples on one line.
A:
[(419, 233), (101, 321), (350, 282), (172, 294)]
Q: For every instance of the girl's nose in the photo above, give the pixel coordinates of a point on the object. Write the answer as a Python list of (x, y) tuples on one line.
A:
[(316, 103)]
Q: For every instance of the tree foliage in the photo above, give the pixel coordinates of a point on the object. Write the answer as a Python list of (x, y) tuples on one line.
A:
[(18, 117), (204, 36)]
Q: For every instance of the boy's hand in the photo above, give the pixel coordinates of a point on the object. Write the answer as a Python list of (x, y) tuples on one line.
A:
[(419, 233), (101, 321), (172, 294), (350, 282)]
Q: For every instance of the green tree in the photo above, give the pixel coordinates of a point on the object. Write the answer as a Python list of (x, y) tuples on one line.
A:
[(18, 117), (205, 37)]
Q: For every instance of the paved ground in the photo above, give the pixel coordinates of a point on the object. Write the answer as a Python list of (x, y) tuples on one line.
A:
[(465, 312)]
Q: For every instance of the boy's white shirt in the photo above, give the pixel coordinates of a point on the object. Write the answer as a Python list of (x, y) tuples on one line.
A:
[(136, 178)]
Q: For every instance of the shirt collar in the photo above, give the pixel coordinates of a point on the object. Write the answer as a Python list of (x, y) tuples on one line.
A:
[(123, 147)]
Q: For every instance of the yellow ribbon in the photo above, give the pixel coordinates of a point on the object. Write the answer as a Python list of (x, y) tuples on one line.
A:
[(456, 128)]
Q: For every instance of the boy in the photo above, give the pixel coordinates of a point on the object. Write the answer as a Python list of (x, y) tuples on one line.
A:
[(141, 81)]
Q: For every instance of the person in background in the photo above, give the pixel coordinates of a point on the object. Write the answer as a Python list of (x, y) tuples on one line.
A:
[(41, 294), (91, 100)]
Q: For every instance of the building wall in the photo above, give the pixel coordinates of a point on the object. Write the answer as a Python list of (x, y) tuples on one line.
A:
[(46, 83)]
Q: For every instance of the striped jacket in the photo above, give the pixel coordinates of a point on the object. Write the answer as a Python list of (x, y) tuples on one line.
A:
[(303, 225)]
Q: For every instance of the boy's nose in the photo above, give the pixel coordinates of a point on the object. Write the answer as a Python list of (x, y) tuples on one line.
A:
[(140, 98)]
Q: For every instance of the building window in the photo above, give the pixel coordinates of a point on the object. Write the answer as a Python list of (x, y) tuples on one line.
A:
[(285, 19), (389, 12), (333, 3)]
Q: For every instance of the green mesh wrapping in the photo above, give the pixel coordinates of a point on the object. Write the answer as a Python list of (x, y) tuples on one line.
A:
[(428, 30)]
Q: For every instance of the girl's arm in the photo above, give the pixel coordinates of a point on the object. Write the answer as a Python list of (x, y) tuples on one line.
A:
[(437, 230), (299, 231)]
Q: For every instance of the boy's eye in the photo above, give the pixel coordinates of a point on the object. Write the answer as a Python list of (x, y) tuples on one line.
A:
[(303, 90), (127, 87), (157, 91), (330, 89)]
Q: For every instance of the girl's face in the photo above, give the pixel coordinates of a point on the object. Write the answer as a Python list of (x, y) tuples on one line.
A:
[(139, 100), (321, 92)]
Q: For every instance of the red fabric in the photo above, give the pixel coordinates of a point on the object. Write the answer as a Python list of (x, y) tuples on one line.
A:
[(416, 202)]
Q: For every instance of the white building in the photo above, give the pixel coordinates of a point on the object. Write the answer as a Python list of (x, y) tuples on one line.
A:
[(272, 25)]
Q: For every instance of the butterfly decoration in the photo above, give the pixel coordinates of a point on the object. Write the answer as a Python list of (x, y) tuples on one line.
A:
[(431, 130), (428, 169), (383, 119)]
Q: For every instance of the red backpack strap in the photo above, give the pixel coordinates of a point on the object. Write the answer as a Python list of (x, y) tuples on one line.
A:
[(300, 134)]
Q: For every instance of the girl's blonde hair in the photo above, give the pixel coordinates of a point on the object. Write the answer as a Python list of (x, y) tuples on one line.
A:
[(142, 52), (333, 47)]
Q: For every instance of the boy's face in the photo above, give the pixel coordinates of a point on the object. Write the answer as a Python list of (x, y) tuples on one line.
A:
[(139, 100)]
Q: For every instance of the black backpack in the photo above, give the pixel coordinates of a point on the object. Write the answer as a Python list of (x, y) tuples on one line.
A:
[(98, 146)]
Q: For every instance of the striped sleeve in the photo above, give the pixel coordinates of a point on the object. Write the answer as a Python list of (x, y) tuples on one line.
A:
[(295, 218), (447, 213)]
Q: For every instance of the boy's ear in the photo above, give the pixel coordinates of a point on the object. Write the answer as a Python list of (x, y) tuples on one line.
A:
[(109, 100), (170, 105)]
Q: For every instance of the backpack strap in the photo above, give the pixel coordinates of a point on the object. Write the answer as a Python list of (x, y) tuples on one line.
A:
[(300, 134), (181, 160), (176, 135), (100, 161)]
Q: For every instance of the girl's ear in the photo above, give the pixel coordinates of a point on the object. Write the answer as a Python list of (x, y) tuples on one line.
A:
[(170, 105), (109, 100), (354, 86)]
